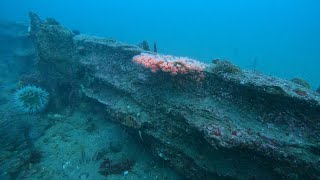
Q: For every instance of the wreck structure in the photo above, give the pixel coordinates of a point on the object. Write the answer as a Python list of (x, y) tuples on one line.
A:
[(233, 124)]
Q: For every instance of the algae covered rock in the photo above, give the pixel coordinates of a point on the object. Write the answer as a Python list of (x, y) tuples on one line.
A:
[(301, 82), (224, 66)]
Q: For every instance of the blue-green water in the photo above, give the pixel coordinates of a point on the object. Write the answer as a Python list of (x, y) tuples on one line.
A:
[(276, 37), (74, 136)]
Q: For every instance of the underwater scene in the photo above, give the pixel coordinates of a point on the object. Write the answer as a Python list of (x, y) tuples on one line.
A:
[(159, 90)]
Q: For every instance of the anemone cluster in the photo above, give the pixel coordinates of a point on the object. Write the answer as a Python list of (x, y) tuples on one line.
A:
[(31, 99), (170, 64)]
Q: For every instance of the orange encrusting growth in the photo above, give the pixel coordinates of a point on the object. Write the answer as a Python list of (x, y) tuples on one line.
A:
[(170, 64)]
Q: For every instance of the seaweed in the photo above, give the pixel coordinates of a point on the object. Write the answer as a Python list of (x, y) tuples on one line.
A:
[(155, 49), (144, 45)]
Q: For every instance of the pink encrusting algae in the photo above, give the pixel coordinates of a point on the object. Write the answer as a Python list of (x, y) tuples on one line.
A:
[(171, 64)]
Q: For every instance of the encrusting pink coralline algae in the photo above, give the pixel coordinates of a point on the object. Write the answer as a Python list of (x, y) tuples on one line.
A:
[(171, 64)]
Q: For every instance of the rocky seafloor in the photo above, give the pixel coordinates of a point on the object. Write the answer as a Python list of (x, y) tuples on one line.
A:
[(109, 118)]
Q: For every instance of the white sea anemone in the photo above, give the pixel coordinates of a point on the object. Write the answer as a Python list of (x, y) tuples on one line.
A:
[(31, 99)]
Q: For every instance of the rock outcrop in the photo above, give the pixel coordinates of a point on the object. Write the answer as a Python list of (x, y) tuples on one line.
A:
[(234, 124)]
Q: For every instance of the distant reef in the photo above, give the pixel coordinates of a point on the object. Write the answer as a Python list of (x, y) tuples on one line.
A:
[(229, 124)]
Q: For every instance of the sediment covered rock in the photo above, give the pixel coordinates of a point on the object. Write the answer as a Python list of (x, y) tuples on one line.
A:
[(233, 124)]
